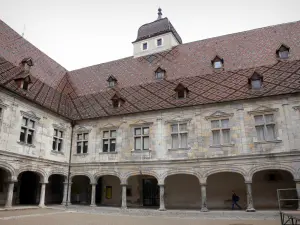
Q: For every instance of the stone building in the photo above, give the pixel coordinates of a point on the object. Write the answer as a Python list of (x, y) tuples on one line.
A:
[(173, 126)]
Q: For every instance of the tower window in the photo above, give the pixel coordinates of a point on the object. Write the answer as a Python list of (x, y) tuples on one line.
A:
[(159, 42), (145, 46), (255, 81), (283, 52), (217, 62)]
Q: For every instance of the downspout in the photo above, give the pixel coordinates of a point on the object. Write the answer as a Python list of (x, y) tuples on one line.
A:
[(73, 123)]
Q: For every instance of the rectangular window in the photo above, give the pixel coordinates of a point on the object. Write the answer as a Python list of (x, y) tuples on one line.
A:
[(145, 46), (159, 42), (27, 130), (179, 135), (82, 143), (57, 140), (109, 140), (220, 132), (265, 127), (141, 138)]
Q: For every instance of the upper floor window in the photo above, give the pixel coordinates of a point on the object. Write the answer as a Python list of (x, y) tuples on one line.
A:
[(145, 46), (181, 91), (265, 127), (27, 130), (217, 62), (23, 82), (109, 140), (283, 52), (255, 81), (82, 143), (57, 140), (112, 81), (117, 100), (159, 42), (220, 131), (179, 134), (159, 73), (141, 138)]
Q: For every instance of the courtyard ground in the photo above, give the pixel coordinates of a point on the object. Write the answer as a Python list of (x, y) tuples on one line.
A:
[(113, 216)]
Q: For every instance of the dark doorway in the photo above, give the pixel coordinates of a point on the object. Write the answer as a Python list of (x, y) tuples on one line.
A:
[(99, 191), (81, 190), (150, 192), (29, 187), (3, 186), (55, 189)]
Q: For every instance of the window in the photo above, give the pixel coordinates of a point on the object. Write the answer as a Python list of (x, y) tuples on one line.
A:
[(82, 143), (217, 62), (109, 141), (218, 65), (255, 81), (179, 135), (181, 91), (111, 83), (220, 131), (117, 100), (265, 127), (145, 46), (141, 138), (27, 130), (159, 42), (160, 73), (283, 52), (116, 103), (256, 84), (57, 140), (181, 94)]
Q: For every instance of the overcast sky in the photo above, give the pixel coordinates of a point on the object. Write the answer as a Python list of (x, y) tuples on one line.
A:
[(80, 33)]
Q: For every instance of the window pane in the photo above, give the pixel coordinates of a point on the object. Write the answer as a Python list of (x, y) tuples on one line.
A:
[(79, 136), (144, 46), (22, 134), (225, 123), (284, 54), (175, 142), (256, 84), (159, 75), (226, 136), (31, 123), (217, 65), (137, 144), (183, 140), (112, 145), (85, 136), (260, 133), (145, 130), (159, 42), (105, 145), (113, 133), (24, 121), (174, 128), (59, 146), (145, 143), (85, 147), (137, 131), (259, 119), (269, 118), (216, 137), (181, 94), (54, 144), (60, 134), (105, 134), (183, 127), (55, 132), (79, 145), (271, 132), (215, 124), (29, 136)]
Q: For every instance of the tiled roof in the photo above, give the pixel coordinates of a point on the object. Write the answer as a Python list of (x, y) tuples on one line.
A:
[(83, 94)]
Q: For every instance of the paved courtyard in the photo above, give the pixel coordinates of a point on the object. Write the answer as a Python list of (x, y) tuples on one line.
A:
[(113, 216)]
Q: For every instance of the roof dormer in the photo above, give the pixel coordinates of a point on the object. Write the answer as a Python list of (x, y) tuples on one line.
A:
[(217, 62), (23, 81), (27, 63), (181, 91), (117, 100), (255, 81), (160, 74), (283, 52), (112, 81)]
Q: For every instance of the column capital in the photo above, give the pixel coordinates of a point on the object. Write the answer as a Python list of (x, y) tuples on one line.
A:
[(248, 182), (93, 183), (43, 182), (297, 180), (203, 184), (124, 185), (161, 184), (67, 183)]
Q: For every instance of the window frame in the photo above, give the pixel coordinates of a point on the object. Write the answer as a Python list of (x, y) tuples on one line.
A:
[(142, 46), (82, 141), (178, 133), (57, 130), (215, 63), (161, 39), (221, 129), (141, 136), (265, 124), (109, 138), (27, 129)]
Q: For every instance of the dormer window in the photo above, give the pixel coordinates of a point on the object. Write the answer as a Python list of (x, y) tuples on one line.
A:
[(181, 91), (283, 52), (145, 46), (27, 63), (112, 81), (159, 42), (217, 62), (23, 82), (117, 100), (255, 81), (160, 73)]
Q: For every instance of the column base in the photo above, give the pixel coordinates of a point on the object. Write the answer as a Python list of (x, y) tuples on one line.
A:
[(123, 207), (162, 209), (64, 203), (8, 206), (204, 209), (42, 206), (250, 210)]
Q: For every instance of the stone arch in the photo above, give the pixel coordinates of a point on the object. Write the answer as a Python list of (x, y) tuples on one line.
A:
[(90, 176), (127, 175), (54, 172), (10, 169), (177, 172), (222, 170), (42, 174), (106, 173), (256, 169)]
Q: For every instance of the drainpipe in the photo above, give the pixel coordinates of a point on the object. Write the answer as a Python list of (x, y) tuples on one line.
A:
[(73, 123)]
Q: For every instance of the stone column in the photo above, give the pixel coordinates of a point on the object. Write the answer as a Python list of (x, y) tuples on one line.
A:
[(162, 197), (93, 197), (203, 198), (69, 193), (124, 199), (298, 192), (250, 207), (42, 196), (10, 194), (65, 193)]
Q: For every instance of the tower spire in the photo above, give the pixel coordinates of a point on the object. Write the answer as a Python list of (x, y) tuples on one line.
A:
[(159, 14)]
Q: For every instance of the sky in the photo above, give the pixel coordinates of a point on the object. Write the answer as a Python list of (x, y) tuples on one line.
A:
[(81, 33)]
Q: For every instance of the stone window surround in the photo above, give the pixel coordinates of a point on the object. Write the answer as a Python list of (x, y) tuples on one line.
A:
[(3, 108), (63, 129), (162, 42), (109, 138), (109, 127), (142, 45), (137, 125), (81, 131)]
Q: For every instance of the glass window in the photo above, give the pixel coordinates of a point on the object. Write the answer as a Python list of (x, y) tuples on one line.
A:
[(284, 54), (218, 65), (160, 75), (181, 94), (220, 132), (179, 135), (256, 84), (57, 140), (141, 138), (111, 83), (109, 140), (27, 131), (82, 143), (159, 42), (145, 46), (265, 127)]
